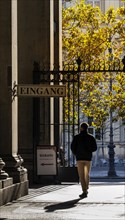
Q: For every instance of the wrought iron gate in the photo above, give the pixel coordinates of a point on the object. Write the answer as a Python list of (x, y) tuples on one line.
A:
[(57, 120)]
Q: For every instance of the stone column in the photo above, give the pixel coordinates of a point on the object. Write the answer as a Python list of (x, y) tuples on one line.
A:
[(19, 173), (14, 161)]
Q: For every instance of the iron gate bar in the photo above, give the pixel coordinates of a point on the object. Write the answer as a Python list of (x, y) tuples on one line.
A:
[(68, 118), (73, 127)]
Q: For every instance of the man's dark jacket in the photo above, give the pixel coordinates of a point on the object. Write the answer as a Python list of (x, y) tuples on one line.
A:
[(83, 145)]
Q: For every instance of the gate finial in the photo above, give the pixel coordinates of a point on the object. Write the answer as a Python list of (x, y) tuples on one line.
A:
[(79, 61)]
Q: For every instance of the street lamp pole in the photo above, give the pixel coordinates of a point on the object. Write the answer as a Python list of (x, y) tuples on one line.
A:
[(111, 146)]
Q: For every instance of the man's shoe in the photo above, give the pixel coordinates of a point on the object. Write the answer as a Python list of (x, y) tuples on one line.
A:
[(83, 195)]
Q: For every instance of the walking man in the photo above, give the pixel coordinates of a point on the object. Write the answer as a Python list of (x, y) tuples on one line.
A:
[(82, 146)]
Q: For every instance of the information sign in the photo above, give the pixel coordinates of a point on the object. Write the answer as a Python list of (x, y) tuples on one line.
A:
[(46, 160)]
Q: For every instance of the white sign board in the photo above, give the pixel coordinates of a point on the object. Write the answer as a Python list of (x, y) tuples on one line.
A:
[(46, 160)]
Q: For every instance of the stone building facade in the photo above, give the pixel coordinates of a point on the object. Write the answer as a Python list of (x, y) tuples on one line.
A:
[(30, 32)]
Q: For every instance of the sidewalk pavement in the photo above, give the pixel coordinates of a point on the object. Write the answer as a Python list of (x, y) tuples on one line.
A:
[(105, 201)]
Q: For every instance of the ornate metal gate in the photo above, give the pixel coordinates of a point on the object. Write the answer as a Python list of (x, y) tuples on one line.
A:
[(57, 120)]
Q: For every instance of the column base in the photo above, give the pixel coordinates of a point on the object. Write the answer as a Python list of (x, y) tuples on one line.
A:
[(13, 166), (19, 174), (3, 174)]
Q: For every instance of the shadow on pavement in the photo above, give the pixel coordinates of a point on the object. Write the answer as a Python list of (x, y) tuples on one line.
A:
[(62, 205), (3, 218)]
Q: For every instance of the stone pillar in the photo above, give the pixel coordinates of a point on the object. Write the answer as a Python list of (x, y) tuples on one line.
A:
[(12, 159), (19, 172)]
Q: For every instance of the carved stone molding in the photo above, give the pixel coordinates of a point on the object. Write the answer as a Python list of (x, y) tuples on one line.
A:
[(3, 174)]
